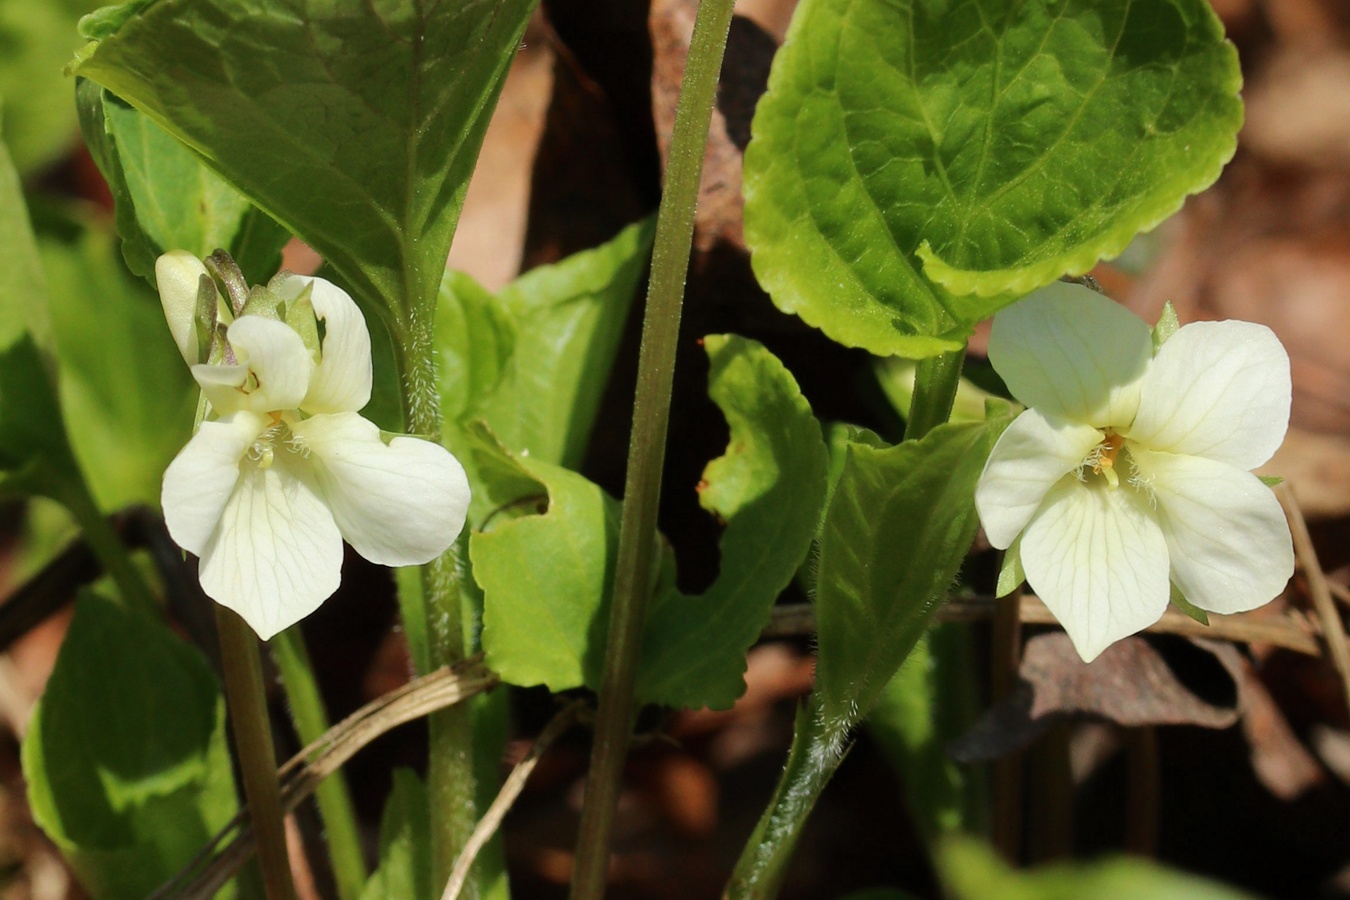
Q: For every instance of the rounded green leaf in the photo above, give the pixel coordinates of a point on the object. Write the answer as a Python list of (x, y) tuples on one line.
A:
[(126, 762), (918, 164)]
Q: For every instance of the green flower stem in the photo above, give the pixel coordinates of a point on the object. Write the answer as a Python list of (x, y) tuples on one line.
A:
[(436, 631), (247, 704), (935, 384), (647, 445), (335, 801), (816, 753)]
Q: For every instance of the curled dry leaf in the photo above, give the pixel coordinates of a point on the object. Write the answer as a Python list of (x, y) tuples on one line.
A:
[(1154, 680)]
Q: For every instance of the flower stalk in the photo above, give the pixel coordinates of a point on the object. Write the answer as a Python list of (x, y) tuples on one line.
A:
[(246, 700), (647, 444), (334, 799)]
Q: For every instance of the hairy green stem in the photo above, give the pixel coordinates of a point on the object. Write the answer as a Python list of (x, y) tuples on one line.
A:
[(647, 445), (817, 750), (334, 799), (246, 701), (438, 638), (935, 382)]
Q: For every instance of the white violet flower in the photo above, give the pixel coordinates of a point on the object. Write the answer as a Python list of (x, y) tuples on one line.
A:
[(1130, 472), (283, 468)]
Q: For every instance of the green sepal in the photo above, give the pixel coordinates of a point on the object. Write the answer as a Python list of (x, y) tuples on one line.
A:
[(1010, 574), (1271, 480), (1166, 327), (1179, 600)]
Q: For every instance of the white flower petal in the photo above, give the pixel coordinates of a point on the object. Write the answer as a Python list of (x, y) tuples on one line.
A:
[(1227, 537), (177, 274), (1219, 390), (1029, 458), (342, 381), (202, 476), (277, 554), (399, 504), (276, 357), (1072, 354), (1098, 560)]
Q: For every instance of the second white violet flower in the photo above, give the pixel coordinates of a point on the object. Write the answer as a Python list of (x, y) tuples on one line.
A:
[(1130, 473)]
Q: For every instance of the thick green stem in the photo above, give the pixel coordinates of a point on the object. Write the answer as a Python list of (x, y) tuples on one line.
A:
[(935, 384), (246, 701), (817, 750), (439, 636), (647, 445), (335, 801)]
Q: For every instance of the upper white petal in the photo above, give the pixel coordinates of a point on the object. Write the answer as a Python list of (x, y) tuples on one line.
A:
[(398, 504), (1219, 390), (342, 381), (1098, 560), (273, 353), (203, 475), (1072, 354), (1029, 458), (1227, 538), (277, 554), (177, 275)]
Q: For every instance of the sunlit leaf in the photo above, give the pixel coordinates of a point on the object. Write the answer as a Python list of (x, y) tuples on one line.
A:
[(1003, 144), (167, 198), (899, 525), (354, 124)]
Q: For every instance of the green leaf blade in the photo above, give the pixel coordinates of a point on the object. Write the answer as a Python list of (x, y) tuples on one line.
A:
[(898, 527), (340, 122), (126, 761), (769, 487), (918, 165)]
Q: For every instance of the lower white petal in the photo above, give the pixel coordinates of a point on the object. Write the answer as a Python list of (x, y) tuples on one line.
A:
[(276, 555), (399, 504), (203, 475), (1226, 535), (1029, 458), (1098, 560)]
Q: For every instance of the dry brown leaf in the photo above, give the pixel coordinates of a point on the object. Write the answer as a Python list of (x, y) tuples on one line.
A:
[(1158, 680)]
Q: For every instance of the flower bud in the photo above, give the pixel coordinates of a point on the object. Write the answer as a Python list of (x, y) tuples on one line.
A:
[(178, 275)]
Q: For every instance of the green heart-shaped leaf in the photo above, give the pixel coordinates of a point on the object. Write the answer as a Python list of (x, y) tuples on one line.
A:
[(917, 164)]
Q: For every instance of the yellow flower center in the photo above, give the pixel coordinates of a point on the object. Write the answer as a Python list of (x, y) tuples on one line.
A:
[(1105, 462)]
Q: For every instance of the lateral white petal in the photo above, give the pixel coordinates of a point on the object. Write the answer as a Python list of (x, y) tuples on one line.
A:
[(276, 357), (342, 381), (203, 475), (1219, 390), (398, 504), (277, 554), (1072, 354), (1227, 537), (1030, 456), (1098, 560)]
